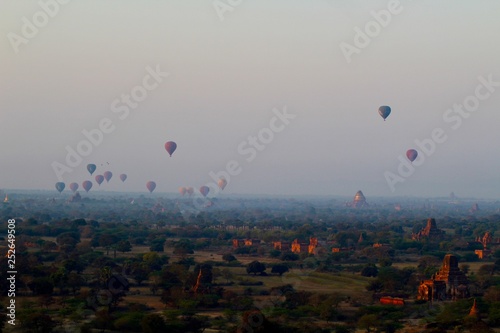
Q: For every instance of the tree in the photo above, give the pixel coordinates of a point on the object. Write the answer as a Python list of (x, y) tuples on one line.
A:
[(368, 321), (343, 329), (140, 274), (153, 323), (228, 257), (184, 247), (40, 323), (279, 269), (3, 318), (106, 240), (494, 314), (295, 299), (157, 245), (49, 246), (369, 270), (131, 321), (428, 265), (255, 267), (60, 279), (274, 253), (289, 256), (226, 274), (73, 265), (68, 238), (453, 313), (103, 319), (375, 286), (492, 294), (75, 281), (46, 300), (202, 277), (155, 279), (487, 269), (242, 250), (154, 261), (255, 321), (124, 246), (327, 311), (465, 268), (41, 286)]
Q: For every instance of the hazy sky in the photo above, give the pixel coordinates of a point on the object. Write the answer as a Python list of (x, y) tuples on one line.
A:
[(228, 68)]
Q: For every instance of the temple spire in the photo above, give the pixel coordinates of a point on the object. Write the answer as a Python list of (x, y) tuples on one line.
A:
[(474, 312)]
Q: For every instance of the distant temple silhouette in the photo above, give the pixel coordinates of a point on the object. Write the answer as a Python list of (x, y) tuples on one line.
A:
[(358, 201)]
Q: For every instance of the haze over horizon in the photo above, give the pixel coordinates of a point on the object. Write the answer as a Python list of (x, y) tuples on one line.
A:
[(275, 68)]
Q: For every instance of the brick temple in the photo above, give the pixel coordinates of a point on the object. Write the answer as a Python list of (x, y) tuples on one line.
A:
[(448, 283), (431, 231)]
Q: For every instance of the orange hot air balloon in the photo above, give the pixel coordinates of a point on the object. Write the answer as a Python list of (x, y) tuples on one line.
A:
[(384, 111), (73, 187), (108, 175), (222, 183), (60, 186), (99, 179), (87, 185), (412, 154), (170, 146), (123, 177), (151, 185), (182, 190), (204, 190)]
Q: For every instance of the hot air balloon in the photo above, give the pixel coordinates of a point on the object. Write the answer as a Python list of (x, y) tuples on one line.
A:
[(99, 179), (107, 176), (60, 186), (190, 190), (204, 190), (91, 168), (384, 111), (73, 187), (412, 154), (151, 186), (170, 146), (182, 190), (123, 177), (87, 185), (222, 183)]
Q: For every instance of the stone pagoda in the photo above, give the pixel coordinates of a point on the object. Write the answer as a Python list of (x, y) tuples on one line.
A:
[(448, 283), (359, 200)]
